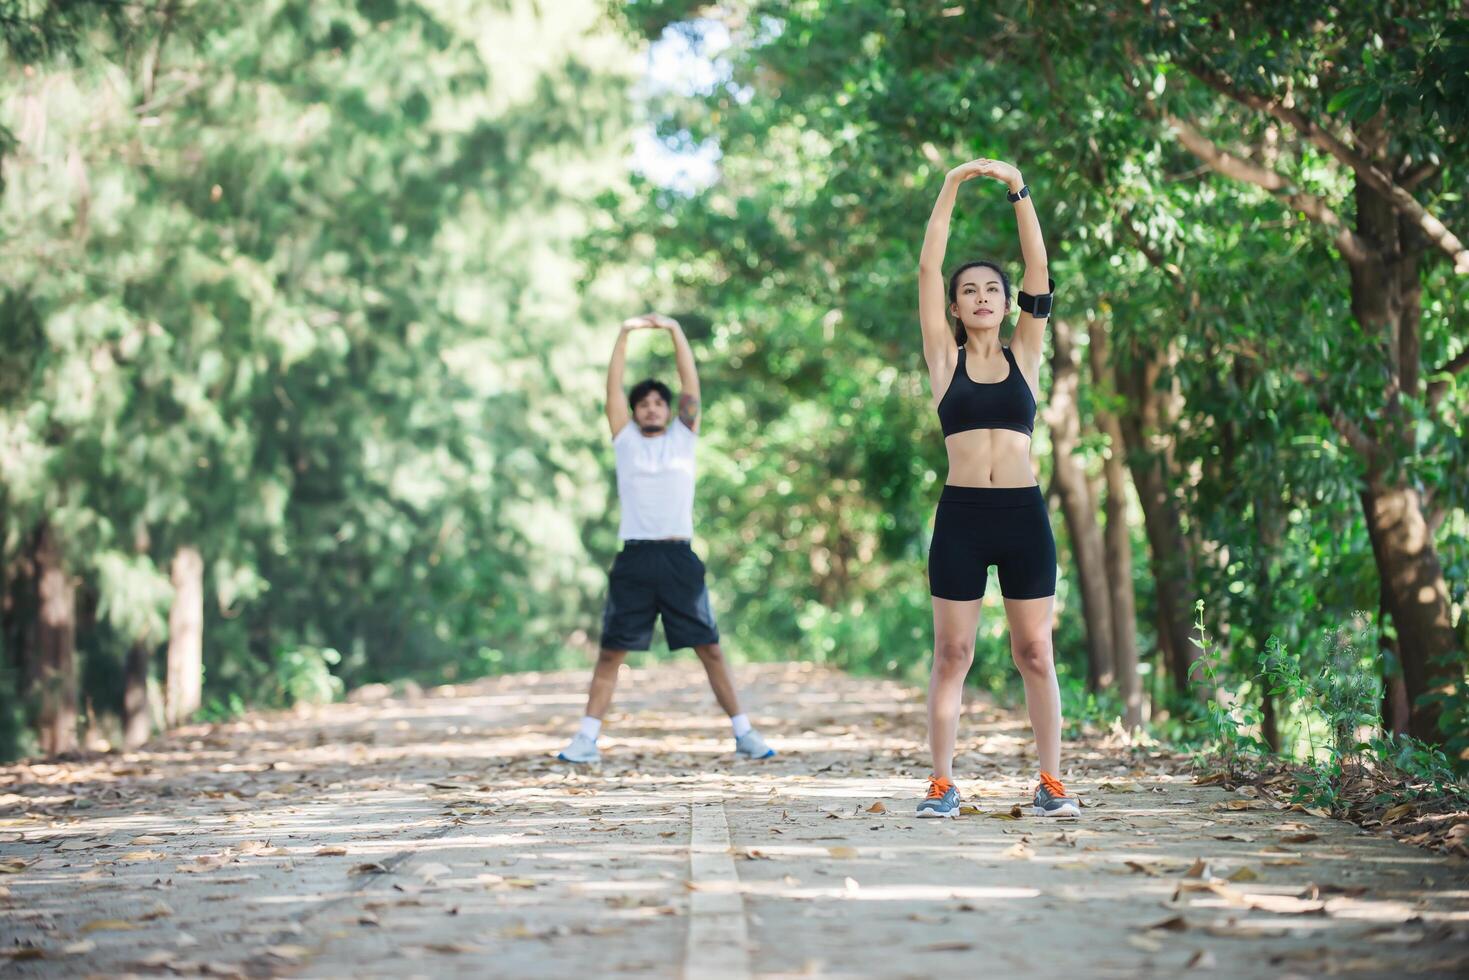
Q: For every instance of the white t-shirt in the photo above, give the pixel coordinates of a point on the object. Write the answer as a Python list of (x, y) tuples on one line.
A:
[(655, 481)]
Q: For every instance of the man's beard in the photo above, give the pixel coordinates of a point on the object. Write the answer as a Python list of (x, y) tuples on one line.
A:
[(649, 430)]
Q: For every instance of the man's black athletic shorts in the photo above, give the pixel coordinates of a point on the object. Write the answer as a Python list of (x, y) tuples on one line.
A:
[(977, 527), (651, 579)]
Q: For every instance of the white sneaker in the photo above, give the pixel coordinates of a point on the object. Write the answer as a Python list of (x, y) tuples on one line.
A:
[(581, 749), (751, 746)]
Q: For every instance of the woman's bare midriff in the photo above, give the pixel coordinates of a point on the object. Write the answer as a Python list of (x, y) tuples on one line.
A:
[(989, 458)]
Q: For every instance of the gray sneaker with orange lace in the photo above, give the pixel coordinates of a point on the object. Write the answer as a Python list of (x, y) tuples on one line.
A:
[(1051, 799), (942, 800)]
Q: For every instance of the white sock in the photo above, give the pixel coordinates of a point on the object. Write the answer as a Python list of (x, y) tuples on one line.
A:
[(740, 724), (590, 727)]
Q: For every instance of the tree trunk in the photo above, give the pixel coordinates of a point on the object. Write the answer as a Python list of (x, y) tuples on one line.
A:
[(1167, 543), (1386, 303), (1117, 541), (1269, 726), (55, 658), (136, 725), (185, 637), (1070, 484), (1417, 599)]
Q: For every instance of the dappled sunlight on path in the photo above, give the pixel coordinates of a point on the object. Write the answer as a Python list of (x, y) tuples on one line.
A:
[(435, 834)]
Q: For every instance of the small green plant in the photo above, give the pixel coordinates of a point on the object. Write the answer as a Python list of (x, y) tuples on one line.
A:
[(216, 710), (1230, 722), (1422, 771), (303, 675)]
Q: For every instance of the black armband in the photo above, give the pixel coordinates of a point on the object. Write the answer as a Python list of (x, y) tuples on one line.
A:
[(1038, 306)]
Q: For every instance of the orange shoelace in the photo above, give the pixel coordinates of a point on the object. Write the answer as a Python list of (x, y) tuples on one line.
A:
[(1052, 784), (938, 787)]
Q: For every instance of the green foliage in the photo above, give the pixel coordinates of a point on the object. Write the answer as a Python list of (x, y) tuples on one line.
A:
[(278, 286), (302, 675), (834, 124), (312, 287)]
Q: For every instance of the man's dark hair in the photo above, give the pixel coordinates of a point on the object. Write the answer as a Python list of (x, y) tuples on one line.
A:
[(961, 336), (642, 388)]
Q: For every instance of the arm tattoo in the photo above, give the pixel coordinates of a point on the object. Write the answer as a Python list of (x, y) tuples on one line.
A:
[(688, 409)]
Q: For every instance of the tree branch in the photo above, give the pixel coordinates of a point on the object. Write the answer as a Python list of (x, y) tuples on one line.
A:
[(1367, 171), (1247, 171), (1349, 430), (1355, 436), (1437, 389)]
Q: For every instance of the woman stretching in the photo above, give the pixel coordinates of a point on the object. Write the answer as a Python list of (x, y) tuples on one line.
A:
[(991, 511)]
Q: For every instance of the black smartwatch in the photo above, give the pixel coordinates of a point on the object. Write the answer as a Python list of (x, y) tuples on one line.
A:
[(1017, 195)]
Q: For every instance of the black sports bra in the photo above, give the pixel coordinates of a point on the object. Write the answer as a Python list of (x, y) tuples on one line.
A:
[(1006, 404)]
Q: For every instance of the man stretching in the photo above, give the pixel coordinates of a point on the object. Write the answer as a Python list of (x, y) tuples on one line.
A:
[(657, 573)]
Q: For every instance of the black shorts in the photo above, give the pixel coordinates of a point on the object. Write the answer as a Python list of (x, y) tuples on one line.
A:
[(977, 527), (651, 579)]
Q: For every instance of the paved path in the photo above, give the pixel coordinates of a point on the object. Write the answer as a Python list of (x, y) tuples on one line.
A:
[(434, 836)]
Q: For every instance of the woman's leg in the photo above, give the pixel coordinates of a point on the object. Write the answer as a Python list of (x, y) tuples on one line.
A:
[(1031, 648), (954, 627)]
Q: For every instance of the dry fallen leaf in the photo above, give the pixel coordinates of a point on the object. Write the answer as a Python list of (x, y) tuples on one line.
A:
[(1215, 886), (523, 933), (288, 951), (433, 870), (1312, 892), (1398, 812), (1018, 850), (158, 911), (141, 856), (1199, 869), (1141, 868), (333, 850), (24, 953), (368, 868), (147, 839), (11, 866), (1245, 873), (1300, 838), (1286, 905), (842, 852), (1201, 960), (953, 946), (107, 925), (1175, 923)]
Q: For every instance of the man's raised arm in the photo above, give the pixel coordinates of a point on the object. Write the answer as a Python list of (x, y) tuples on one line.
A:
[(617, 411), (688, 372)]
